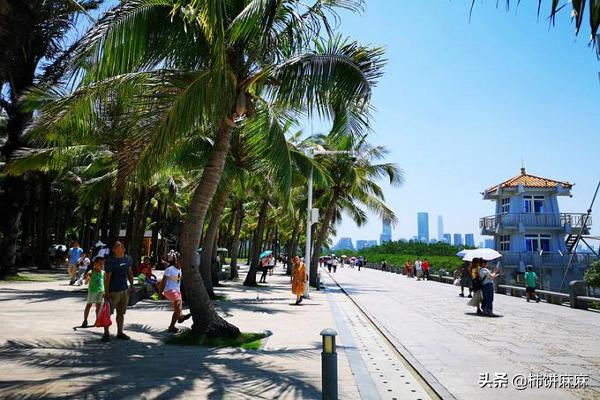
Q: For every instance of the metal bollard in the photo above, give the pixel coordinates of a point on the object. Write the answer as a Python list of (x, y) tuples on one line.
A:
[(329, 379)]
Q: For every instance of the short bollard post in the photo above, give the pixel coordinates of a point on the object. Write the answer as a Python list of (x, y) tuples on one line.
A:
[(329, 384)]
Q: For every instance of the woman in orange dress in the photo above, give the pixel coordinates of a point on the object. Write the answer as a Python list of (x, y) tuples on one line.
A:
[(299, 279)]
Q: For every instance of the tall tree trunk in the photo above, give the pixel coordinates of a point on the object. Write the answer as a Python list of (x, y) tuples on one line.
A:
[(156, 224), (115, 217), (103, 218), (137, 234), (43, 242), (208, 242), (235, 241), (130, 219), (256, 243), (320, 238), (291, 249), (205, 317)]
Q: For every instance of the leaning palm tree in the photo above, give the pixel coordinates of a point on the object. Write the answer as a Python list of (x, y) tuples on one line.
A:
[(202, 68), (353, 186)]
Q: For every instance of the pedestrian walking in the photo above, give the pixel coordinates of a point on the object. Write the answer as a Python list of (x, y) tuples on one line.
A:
[(264, 267), (473, 271), (95, 289), (409, 268), (465, 280), (83, 265), (74, 255), (419, 269), (328, 264), (271, 265), (170, 287), (487, 289), (425, 267), (383, 265), (117, 272), (299, 279), (530, 284), (334, 264)]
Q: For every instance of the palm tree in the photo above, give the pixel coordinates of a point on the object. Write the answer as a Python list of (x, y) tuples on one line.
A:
[(32, 36), (202, 68), (353, 183), (578, 10)]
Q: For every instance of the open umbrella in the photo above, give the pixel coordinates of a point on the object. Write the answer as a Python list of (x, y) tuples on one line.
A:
[(462, 253), (265, 253), (222, 250), (486, 254)]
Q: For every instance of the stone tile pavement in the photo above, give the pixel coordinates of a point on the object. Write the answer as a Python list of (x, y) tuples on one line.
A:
[(455, 345), (41, 356)]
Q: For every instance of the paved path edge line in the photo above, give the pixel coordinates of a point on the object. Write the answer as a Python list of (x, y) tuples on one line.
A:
[(432, 386)]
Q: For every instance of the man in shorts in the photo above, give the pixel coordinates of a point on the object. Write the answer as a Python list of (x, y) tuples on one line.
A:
[(117, 272), (74, 255), (170, 287), (530, 284)]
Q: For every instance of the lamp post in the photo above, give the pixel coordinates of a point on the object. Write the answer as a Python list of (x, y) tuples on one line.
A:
[(311, 152)]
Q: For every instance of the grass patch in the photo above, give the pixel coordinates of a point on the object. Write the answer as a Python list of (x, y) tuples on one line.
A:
[(30, 277), (247, 340), (221, 297)]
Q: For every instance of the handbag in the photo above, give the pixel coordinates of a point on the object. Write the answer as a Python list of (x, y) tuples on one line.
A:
[(457, 282), (104, 316)]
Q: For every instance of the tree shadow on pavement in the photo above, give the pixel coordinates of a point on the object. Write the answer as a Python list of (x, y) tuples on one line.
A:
[(88, 368), (38, 296)]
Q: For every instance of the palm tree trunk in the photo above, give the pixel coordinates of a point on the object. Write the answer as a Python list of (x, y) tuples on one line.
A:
[(155, 230), (256, 243), (320, 238), (205, 317), (43, 240), (208, 243), (115, 217), (291, 249), (235, 241)]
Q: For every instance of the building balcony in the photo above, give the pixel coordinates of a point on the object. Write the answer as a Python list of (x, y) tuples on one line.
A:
[(569, 221), (546, 259)]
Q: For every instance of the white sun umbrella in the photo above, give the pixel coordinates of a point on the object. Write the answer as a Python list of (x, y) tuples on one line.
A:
[(486, 254), (462, 253)]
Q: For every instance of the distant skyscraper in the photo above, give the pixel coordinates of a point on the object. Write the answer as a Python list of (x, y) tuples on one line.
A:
[(469, 240), (447, 238), (488, 243), (386, 231), (457, 239), (440, 221), (423, 227), (363, 244), (344, 243)]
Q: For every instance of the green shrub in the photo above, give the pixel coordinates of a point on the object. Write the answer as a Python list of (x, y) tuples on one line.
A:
[(247, 340), (592, 275)]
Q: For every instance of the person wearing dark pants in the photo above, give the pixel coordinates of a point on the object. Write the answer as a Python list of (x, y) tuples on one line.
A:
[(487, 289)]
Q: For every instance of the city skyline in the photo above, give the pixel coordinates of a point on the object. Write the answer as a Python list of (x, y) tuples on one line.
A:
[(500, 64)]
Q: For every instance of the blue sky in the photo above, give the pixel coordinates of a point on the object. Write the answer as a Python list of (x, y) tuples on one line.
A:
[(461, 103)]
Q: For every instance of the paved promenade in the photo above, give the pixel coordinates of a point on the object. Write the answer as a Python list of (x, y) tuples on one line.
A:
[(429, 321), (43, 357)]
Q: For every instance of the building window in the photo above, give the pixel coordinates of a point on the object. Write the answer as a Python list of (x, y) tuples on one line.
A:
[(533, 204), (505, 205), (537, 242), (504, 242)]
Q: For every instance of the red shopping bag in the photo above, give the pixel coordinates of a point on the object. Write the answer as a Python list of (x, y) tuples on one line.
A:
[(104, 316)]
